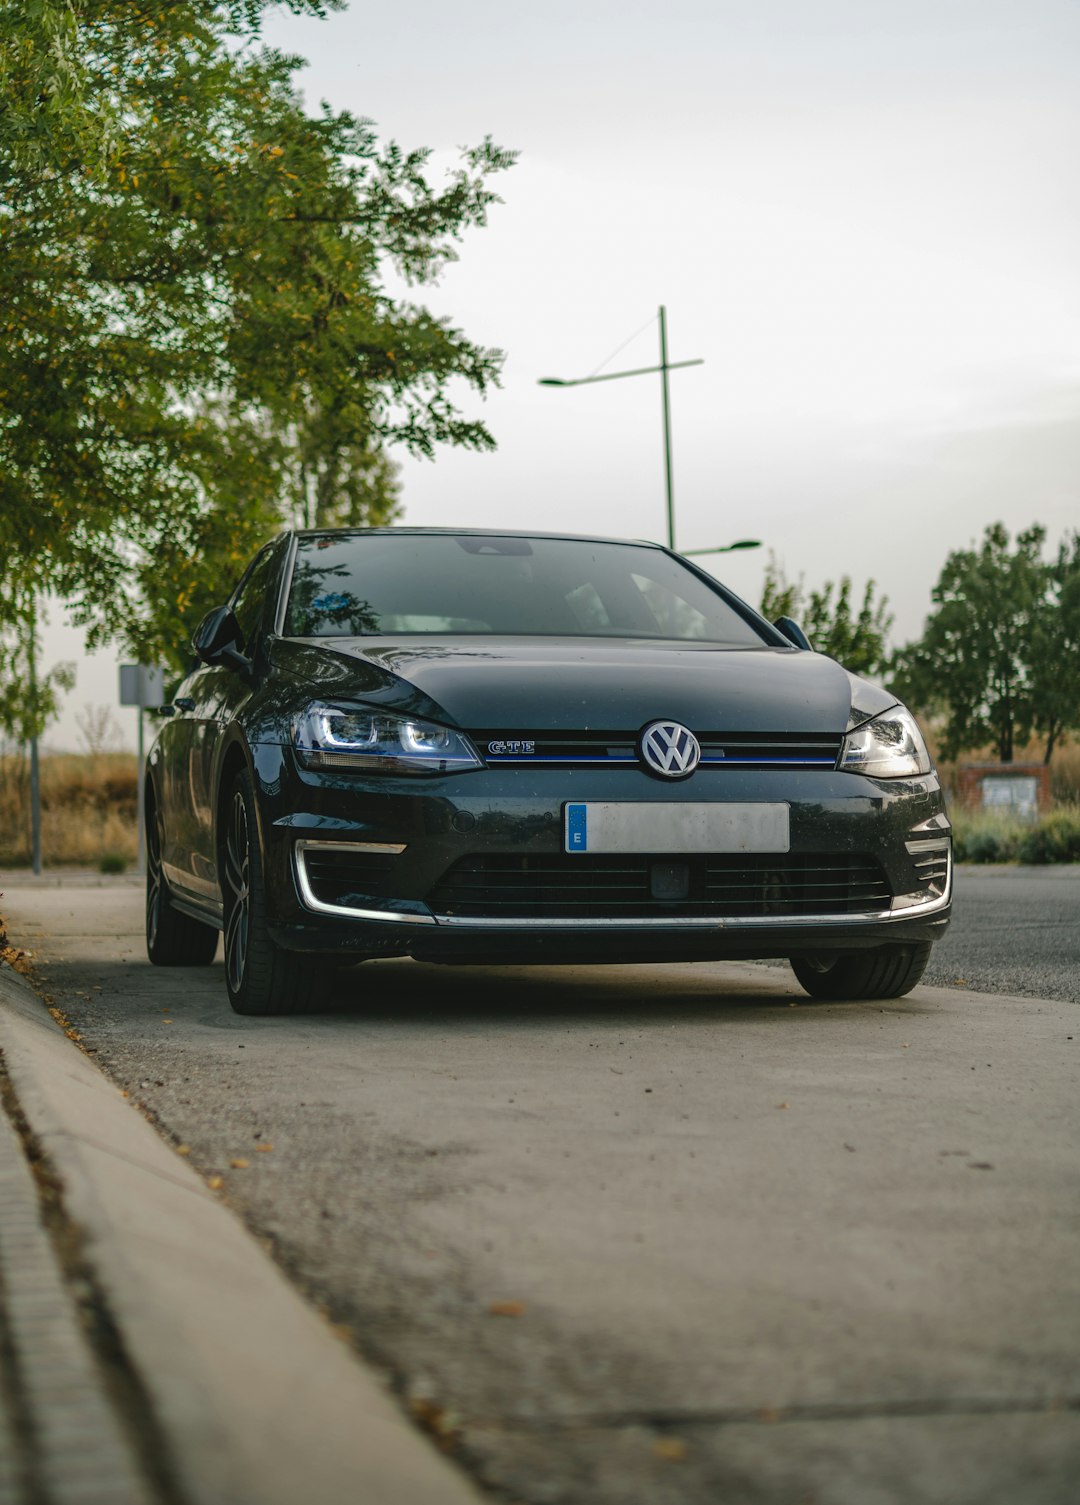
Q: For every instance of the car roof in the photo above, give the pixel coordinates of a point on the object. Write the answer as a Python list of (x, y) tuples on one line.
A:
[(646, 543)]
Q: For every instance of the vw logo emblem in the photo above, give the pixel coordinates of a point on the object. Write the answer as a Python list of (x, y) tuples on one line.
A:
[(670, 749)]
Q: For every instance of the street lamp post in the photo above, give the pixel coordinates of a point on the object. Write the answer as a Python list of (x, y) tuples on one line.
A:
[(664, 367)]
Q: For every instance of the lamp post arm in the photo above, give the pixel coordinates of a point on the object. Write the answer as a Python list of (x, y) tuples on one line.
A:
[(727, 548), (584, 381)]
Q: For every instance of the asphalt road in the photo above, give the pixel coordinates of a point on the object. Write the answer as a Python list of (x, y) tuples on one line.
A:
[(644, 1234), (1014, 930)]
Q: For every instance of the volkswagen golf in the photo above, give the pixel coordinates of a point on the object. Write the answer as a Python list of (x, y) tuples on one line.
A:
[(504, 747)]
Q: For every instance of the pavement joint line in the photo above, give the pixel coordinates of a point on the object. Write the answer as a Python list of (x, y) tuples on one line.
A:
[(182, 1184)]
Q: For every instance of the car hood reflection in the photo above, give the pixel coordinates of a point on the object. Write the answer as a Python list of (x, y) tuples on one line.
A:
[(609, 684)]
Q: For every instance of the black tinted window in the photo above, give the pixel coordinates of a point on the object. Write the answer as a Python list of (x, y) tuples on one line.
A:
[(403, 584), (251, 593)]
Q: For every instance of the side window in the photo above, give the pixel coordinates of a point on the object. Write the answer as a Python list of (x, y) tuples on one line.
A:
[(250, 598)]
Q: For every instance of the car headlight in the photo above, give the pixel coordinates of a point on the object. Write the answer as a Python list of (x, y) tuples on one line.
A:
[(888, 747), (333, 737)]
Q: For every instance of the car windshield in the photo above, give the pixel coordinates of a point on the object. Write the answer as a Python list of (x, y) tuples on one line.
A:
[(402, 584)]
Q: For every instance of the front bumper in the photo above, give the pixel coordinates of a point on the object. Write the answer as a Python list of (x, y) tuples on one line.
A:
[(419, 829)]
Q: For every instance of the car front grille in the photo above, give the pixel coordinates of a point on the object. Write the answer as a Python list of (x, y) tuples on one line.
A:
[(719, 750), (608, 887), (345, 877)]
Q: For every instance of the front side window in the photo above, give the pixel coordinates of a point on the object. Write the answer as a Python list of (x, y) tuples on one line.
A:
[(250, 599), (402, 584)]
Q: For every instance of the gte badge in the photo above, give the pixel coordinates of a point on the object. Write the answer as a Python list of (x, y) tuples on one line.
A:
[(511, 749), (577, 834)]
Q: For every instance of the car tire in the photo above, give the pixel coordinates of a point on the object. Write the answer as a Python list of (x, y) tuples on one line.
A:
[(261, 977), (889, 972), (172, 939)]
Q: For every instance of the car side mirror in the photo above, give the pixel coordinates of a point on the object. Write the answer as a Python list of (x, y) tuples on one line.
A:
[(794, 633), (217, 640)]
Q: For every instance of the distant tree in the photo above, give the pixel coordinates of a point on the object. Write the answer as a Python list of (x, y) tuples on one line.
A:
[(1055, 656), (975, 662), (98, 730), (29, 699), (857, 641)]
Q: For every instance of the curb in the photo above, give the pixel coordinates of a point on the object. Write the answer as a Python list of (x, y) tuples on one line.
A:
[(257, 1401)]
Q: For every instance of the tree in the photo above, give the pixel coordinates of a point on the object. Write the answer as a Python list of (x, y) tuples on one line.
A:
[(29, 700), (858, 642), (98, 730), (197, 341), (1055, 655), (975, 660)]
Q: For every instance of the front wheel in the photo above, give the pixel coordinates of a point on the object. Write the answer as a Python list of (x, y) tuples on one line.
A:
[(886, 972), (260, 976)]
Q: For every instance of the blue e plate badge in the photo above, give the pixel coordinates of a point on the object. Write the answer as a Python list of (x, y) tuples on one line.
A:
[(577, 831)]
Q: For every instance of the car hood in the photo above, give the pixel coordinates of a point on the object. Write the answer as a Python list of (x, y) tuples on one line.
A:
[(601, 684)]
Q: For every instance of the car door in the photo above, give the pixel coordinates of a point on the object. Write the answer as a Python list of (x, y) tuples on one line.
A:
[(220, 694)]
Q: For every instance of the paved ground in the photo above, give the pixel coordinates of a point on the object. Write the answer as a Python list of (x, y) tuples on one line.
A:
[(1014, 930), (645, 1234)]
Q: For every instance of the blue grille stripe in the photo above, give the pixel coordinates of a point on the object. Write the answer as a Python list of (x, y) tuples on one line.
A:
[(711, 762)]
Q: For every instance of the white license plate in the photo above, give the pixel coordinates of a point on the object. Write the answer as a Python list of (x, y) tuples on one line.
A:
[(623, 826)]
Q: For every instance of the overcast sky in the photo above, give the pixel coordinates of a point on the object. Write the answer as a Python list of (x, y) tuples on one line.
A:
[(862, 214)]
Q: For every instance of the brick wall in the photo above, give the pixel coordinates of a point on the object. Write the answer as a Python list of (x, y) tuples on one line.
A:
[(973, 779)]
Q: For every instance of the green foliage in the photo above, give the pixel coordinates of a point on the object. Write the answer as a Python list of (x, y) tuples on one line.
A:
[(197, 342), (997, 836), (856, 641), (1055, 648), (1056, 838), (1000, 654), (29, 699), (112, 862), (987, 836)]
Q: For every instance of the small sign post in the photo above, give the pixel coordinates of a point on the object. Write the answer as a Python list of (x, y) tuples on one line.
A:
[(140, 686)]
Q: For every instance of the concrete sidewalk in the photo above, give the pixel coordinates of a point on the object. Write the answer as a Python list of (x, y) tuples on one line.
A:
[(150, 1351)]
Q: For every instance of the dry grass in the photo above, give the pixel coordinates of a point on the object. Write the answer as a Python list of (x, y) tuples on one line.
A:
[(87, 809)]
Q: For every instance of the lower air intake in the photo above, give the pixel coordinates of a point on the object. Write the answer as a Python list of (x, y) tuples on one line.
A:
[(590, 887)]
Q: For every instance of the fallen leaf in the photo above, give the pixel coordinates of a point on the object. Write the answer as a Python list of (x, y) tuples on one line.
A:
[(506, 1309), (183, 1149), (215, 1183), (781, 1105), (240, 1164), (441, 1420), (263, 1149), (671, 1449)]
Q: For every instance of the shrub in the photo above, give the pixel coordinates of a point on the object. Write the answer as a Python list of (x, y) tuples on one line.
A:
[(112, 862), (1056, 838), (986, 836)]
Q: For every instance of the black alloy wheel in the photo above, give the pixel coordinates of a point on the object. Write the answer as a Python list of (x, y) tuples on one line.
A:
[(172, 939), (261, 977), (885, 972)]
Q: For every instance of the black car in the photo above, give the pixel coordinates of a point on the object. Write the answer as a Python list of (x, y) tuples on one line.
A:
[(506, 747)]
